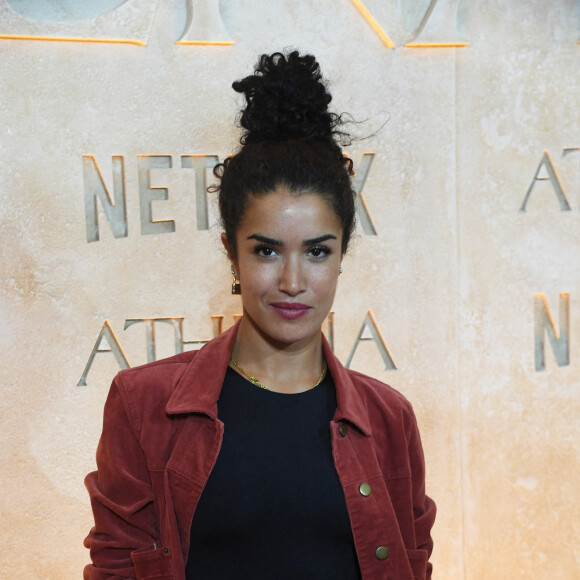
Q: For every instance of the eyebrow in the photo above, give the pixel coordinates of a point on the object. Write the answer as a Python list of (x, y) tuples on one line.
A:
[(310, 242)]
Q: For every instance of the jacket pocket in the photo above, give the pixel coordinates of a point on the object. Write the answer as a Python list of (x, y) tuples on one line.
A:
[(153, 564), (418, 561)]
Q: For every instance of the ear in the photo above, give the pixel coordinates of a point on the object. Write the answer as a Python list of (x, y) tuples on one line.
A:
[(229, 252)]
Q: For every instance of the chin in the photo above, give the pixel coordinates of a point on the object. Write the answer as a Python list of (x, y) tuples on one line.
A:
[(288, 334)]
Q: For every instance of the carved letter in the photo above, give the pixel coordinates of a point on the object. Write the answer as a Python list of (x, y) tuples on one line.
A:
[(373, 23), (218, 324), (147, 194), (199, 163), (568, 150), (560, 341), (371, 324), (176, 323), (107, 334), (95, 187), (546, 163), (150, 333), (358, 182), (113, 21), (437, 29), (204, 24)]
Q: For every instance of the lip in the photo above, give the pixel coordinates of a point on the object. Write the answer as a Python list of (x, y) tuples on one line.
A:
[(290, 310)]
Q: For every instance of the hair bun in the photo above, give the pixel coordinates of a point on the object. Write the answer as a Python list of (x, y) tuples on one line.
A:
[(286, 99)]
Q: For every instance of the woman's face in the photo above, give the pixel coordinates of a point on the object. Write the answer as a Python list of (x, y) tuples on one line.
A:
[(288, 261)]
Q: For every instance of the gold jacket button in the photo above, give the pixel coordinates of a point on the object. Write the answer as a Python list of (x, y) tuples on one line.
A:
[(365, 489), (343, 429), (382, 553)]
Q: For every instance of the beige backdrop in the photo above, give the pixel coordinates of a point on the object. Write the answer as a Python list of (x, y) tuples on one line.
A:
[(464, 286)]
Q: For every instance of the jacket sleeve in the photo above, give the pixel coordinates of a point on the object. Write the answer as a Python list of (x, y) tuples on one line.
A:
[(423, 508), (121, 495)]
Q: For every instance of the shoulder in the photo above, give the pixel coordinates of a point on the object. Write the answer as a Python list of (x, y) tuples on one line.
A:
[(387, 410), (374, 390), (164, 367), (158, 373), (151, 384), (363, 395)]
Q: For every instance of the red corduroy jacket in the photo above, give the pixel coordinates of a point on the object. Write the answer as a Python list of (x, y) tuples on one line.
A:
[(160, 440)]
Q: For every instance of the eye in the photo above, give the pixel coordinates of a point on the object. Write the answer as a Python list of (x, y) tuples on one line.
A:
[(264, 251), (319, 251)]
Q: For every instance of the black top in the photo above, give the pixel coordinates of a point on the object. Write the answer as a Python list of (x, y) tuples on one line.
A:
[(273, 507)]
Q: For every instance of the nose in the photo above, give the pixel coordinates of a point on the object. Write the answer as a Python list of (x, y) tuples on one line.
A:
[(292, 280)]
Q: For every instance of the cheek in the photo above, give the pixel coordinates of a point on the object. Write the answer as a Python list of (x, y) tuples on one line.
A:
[(257, 278), (324, 282)]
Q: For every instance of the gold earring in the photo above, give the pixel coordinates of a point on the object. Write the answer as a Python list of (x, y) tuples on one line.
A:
[(236, 288)]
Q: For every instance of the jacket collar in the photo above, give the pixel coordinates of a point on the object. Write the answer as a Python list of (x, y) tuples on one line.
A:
[(349, 405), (199, 387)]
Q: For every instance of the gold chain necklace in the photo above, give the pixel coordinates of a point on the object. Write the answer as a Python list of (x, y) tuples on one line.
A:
[(255, 381)]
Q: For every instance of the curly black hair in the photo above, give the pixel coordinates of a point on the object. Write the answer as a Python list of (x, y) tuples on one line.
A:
[(290, 139)]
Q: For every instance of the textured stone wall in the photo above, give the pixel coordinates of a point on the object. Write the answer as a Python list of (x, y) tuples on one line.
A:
[(467, 253)]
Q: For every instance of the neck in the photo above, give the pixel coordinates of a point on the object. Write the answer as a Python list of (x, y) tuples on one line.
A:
[(284, 368)]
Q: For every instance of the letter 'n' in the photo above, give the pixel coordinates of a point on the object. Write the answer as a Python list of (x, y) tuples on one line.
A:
[(560, 341), (95, 188)]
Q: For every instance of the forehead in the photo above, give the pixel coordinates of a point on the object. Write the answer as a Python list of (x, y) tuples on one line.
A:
[(288, 212)]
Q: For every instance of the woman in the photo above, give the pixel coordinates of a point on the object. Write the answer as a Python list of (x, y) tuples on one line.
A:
[(261, 456)]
